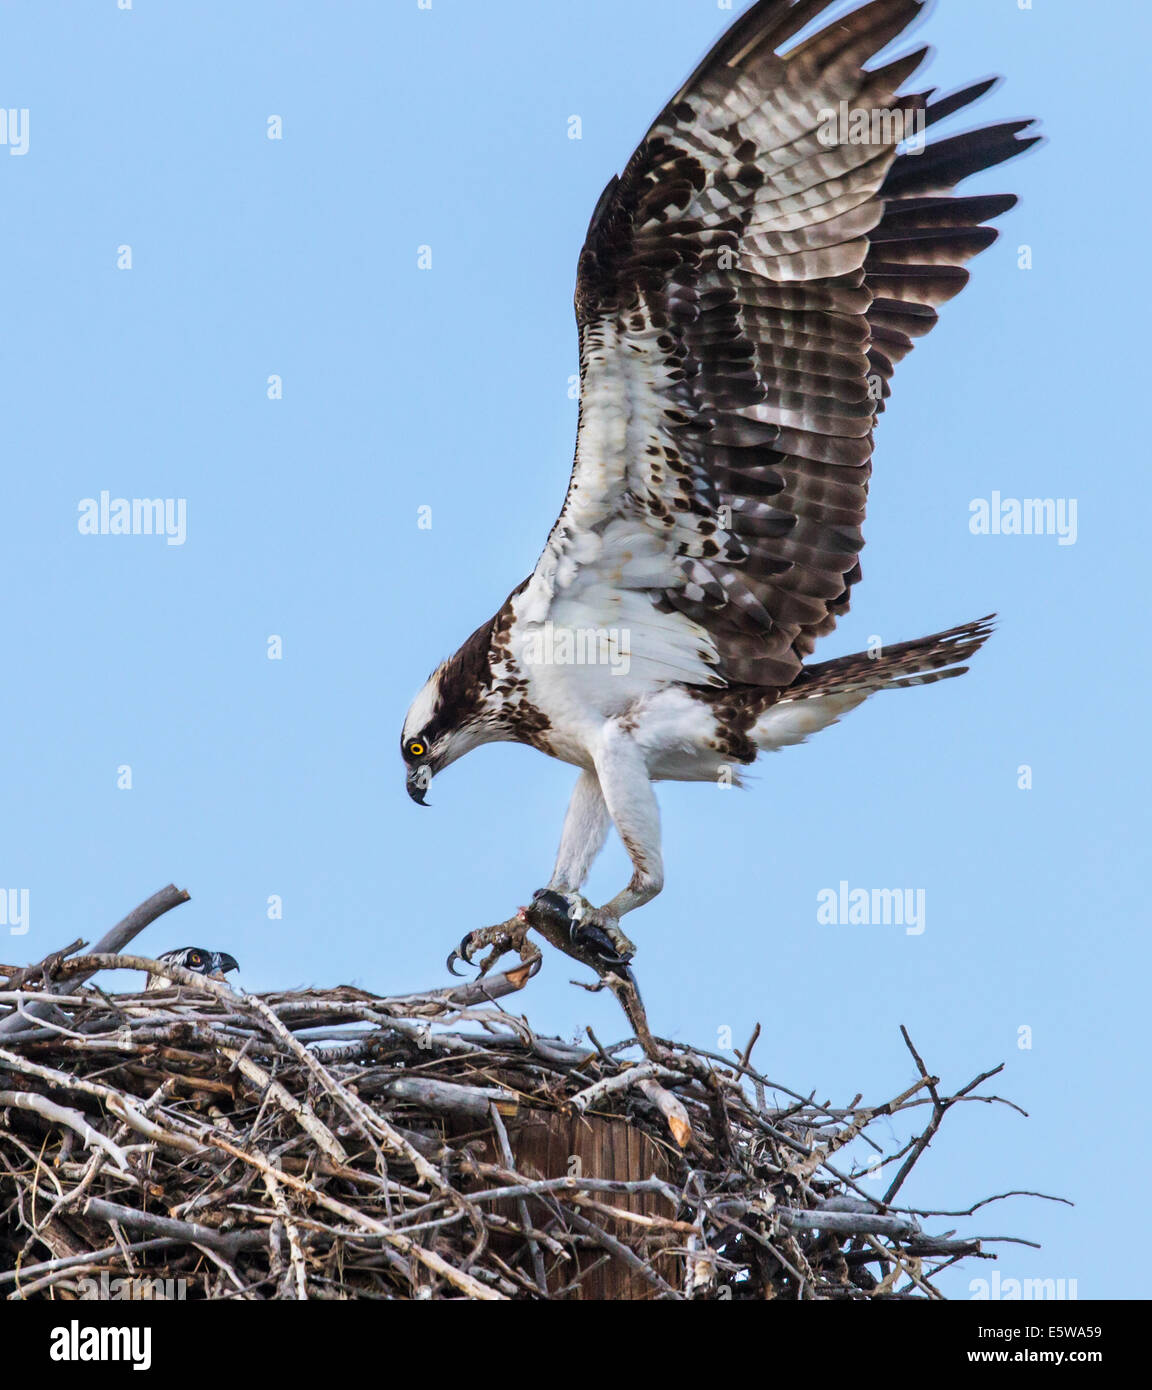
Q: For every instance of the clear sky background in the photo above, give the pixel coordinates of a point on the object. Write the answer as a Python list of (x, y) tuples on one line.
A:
[(448, 388)]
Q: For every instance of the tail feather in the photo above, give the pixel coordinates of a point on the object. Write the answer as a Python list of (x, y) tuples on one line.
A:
[(919, 662)]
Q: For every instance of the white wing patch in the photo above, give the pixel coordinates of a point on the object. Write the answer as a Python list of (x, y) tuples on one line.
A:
[(605, 561)]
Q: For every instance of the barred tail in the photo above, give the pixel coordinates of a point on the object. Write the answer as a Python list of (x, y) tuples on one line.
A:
[(919, 662)]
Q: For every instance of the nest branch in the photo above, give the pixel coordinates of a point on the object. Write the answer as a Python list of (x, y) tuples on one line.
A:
[(337, 1143)]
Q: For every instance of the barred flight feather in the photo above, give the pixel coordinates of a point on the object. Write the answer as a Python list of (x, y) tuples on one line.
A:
[(745, 293)]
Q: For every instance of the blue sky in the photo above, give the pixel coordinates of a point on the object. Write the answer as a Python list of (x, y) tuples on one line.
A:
[(447, 388)]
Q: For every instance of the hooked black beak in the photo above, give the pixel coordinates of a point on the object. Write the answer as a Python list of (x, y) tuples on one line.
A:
[(225, 962), (417, 784)]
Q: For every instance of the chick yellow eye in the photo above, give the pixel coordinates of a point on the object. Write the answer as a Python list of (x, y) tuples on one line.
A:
[(416, 749), (195, 959)]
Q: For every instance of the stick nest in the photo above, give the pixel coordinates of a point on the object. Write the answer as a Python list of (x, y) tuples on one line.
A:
[(335, 1144)]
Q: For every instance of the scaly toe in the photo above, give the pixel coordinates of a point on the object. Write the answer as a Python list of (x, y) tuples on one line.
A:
[(600, 935), (622, 943), (508, 936)]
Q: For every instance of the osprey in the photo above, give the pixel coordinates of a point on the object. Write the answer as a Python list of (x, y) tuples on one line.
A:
[(195, 958), (772, 250)]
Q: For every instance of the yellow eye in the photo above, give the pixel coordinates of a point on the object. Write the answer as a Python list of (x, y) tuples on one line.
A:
[(416, 749)]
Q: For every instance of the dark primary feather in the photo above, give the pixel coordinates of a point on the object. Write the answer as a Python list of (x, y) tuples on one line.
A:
[(777, 281)]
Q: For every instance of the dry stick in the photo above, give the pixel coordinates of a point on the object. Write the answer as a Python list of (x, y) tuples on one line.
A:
[(578, 1281), (298, 1109), (16, 976), (96, 1258), (49, 1025), (746, 1055), (975, 1207), (624, 1254), (939, 1110), (635, 1218), (542, 1072), (94, 1168), (902, 1264), (553, 1246), (847, 1223), (671, 1108), (536, 1187), (73, 1119), (487, 988), (250, 1003), (16, 997), (623, 1081), (521, 1205), (112, 941), (27, 1290), (602, 1237), (366, 1119), (189, 1232), (623, 985), (758, 1077), (473, 1101), (460, 1280), (296, 1253), (123, 1111), (846, 1135), (742, 1068)]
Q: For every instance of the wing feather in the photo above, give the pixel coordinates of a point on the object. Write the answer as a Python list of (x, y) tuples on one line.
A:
[(745, 292)]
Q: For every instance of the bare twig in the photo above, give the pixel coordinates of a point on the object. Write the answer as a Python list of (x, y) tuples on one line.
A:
[(328, 1143)]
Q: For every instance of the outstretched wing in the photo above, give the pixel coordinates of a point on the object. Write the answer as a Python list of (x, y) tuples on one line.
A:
[(746, 287)]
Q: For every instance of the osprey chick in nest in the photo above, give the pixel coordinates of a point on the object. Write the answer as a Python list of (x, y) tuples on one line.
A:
[(748, 285), (215, 964)]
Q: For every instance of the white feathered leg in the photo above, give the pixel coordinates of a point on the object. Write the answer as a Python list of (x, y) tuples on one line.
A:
[(619, 790), (631, 803), (627, 793), (582, 839)]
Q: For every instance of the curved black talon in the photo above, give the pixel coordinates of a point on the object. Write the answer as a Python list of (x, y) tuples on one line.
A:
[(587, 935), (462, 952), (596, 941), (556, 904)]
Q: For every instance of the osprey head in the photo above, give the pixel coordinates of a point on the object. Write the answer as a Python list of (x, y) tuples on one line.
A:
[(424, 742), (201, 961), (450, 716), (213, 963)]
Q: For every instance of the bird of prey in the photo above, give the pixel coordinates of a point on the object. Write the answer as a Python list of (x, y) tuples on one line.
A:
[(195, 958), (749, 284)]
